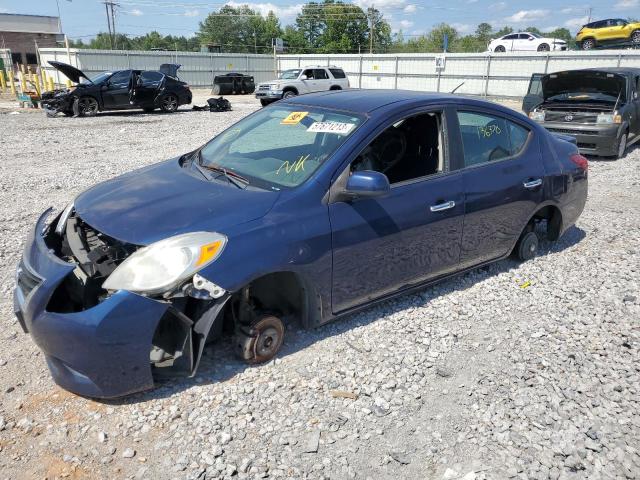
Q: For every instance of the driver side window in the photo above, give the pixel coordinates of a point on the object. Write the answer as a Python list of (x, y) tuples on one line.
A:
[(410, 148), (120, 79)]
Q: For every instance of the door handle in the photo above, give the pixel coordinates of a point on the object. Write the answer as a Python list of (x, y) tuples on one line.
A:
[(532, 183), (441, 207)]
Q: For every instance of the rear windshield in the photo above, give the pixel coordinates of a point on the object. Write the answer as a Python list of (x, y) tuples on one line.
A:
[(280, 147)]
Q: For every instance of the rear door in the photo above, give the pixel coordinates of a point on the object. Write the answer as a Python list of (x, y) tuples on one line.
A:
[(146, 89), (116, 92), (322, 79), (502, 173)]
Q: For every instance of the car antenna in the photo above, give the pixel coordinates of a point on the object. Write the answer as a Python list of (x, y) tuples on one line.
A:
[(615, 107), (455, 89)]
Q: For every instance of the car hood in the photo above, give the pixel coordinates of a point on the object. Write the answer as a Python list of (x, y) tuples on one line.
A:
[(71, 72), (576, 81), (165, 199)]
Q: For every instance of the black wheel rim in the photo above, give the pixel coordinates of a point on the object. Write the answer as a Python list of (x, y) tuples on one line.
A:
[(170, 103), (87, 106)]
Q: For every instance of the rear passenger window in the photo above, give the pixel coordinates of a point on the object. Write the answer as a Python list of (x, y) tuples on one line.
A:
[(337, 73), (487, 138)]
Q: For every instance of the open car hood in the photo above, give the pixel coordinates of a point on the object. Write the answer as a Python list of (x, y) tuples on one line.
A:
[(170, 69), (71, 72), (587, 81)]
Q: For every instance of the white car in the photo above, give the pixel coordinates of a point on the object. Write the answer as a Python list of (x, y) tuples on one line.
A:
[(526, 42), (299, 81)]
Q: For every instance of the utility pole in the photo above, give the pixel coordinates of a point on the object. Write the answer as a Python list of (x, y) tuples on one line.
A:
[(111, 21), (590, 12), (371, 28), (106, 7)]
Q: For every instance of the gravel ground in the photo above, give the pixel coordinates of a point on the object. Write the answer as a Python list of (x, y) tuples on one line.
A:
[(510, 371)]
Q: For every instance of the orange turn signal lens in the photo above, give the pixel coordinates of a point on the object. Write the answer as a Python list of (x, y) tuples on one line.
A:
[(209, 252)]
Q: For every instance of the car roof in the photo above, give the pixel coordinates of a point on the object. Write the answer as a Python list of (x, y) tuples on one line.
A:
[(365, 101)]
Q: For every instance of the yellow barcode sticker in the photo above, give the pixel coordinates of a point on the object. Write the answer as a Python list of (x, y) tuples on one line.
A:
[(294, 118)]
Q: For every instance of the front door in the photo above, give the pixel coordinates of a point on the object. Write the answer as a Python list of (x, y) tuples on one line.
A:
[(503, 179), (411, 235), (310, 84), (117, 90)]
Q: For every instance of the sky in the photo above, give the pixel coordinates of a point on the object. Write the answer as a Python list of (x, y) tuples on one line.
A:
[(84, 18)]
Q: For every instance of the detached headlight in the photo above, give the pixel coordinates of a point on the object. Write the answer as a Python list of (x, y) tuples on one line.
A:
[(537, 115), (165, 264), (609, 118)]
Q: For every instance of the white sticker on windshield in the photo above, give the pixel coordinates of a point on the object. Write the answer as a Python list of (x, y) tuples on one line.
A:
[(331, 127)]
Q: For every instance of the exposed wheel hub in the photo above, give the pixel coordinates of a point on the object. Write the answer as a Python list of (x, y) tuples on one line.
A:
[(260, 341)]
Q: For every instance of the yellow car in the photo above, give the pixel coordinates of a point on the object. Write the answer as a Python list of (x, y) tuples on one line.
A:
[(614, 30)]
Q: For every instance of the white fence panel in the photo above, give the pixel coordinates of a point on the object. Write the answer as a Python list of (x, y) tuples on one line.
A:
[(482, 73), (198, 69)]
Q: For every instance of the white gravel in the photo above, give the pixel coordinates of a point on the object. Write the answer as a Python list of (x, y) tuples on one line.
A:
[(527, 371)]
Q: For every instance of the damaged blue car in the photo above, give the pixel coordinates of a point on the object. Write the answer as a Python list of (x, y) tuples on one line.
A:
[(305, 211)]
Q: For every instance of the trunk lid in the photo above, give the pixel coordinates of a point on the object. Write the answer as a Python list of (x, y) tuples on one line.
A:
[(170, 69)]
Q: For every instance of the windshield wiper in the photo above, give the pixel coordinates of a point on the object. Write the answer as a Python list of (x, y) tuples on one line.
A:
[(233, 177)]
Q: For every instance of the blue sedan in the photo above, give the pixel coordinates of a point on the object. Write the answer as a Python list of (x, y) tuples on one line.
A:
[(307, 210)]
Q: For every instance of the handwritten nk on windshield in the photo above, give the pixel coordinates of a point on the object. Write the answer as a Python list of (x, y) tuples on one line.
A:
[(292, 166)]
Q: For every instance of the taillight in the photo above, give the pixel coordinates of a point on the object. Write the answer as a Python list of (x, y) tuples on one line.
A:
[(580, 161)]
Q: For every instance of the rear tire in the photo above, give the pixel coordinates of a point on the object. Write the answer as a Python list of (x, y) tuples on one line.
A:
[(527, 245), (543, 47), (169, 103), (588, 44)]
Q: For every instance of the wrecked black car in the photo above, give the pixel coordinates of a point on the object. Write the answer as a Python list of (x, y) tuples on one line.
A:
[(118, 90), (600, 108)]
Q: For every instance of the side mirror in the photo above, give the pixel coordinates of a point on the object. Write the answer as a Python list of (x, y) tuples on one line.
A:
[(367, 184), (303, 77)]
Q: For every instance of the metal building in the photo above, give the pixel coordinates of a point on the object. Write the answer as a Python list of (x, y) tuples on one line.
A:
[(24, 34)]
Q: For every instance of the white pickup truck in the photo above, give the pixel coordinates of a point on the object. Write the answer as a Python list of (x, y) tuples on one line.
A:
[(299, 81)]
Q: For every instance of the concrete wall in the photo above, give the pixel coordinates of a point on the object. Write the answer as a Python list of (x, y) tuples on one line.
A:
[(487, 74)]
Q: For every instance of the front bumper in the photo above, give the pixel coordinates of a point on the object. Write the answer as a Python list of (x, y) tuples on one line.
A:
[(269, 94), (592, 139), (99, 352)]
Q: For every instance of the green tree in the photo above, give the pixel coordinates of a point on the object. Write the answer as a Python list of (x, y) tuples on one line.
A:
[(483, 32)]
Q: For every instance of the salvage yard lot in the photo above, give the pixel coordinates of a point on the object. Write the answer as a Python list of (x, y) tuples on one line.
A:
[(510, 371)]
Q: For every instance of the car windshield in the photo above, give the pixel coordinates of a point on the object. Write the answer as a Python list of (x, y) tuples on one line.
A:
[(290, 74), (100, 77), (279, 146)]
